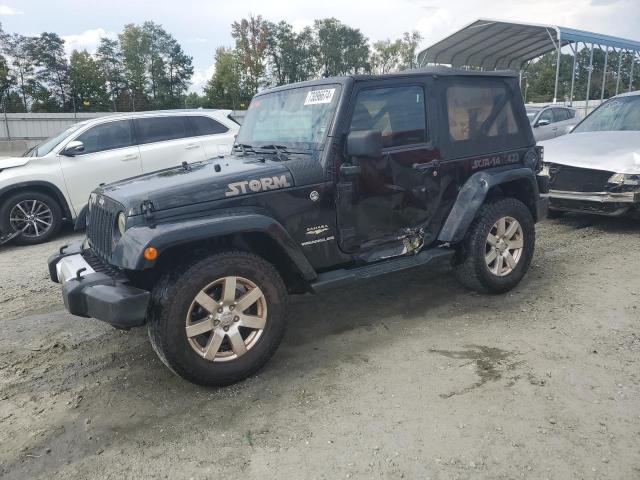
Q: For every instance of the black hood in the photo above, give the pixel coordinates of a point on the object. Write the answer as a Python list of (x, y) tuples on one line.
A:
[(227, 177)]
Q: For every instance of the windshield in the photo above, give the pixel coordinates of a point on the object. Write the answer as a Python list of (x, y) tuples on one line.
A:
[(622, 113), (531, 113), (299, 117), (45, 147)]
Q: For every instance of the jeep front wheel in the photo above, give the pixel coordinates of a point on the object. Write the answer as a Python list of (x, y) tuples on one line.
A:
[(220, 319), (498, 248)]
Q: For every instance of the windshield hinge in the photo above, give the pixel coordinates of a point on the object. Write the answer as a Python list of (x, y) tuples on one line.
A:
[(146, 207)]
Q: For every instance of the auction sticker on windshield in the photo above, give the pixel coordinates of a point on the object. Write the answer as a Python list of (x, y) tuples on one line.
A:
[(315, 97)]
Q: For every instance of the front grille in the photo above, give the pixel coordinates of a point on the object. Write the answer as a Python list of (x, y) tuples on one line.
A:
[(101, 224), (98, 264), (574, 179)]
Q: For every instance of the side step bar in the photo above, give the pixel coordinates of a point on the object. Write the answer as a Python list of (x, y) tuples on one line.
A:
[(336, 278)]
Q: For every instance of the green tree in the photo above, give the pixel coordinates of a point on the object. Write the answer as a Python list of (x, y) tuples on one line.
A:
[(20, 51), (52, 72), (408, 45), (341, 50), (290, 55), (224, 89), (88, 83), (193, 100), (134, 47), (385, 56), (110, 59), (251, 37)]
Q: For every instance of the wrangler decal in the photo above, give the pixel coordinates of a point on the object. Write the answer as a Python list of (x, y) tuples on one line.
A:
[(262, 184)]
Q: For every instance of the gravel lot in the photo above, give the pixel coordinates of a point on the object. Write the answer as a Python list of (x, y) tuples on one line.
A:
[(410, 377)]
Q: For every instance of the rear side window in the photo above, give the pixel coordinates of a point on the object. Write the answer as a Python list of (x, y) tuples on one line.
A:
[(206, 126), (398, 112), (560, 114), (107, 136), (159, 129), (485, 115)]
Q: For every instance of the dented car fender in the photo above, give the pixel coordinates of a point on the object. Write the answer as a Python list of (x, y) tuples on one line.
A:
[(473, 194)]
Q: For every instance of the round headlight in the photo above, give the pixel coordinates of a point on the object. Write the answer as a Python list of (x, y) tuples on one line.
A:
[(122, 223)]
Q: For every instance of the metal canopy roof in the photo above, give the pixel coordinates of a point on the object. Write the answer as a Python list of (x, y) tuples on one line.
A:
[(496, 44)]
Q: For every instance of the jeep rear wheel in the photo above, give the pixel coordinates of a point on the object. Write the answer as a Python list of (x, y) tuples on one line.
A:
[(498, 248), (220, 319)]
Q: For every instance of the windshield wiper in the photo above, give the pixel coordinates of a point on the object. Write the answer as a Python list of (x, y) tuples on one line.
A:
[(283, 149), (244, 148)]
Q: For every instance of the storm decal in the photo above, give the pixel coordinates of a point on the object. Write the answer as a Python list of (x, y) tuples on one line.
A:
[(258, 185)]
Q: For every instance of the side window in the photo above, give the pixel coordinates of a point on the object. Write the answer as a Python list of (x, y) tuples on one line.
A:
[(547, 115), (206, 126), (398, 112), (159, 129), (560, 114), (107, 136), (476, 111), (571, 113)]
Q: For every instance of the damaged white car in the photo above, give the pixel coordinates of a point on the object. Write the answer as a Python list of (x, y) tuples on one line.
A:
[(596, 168)]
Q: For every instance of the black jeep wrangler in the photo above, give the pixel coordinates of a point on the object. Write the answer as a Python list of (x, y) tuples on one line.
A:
[(330, 181)]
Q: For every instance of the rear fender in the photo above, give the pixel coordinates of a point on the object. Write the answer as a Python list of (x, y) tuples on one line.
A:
[(474, 193)]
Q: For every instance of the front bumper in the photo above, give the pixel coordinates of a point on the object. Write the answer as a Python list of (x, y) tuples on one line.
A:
[(87, 293), (602, 203)]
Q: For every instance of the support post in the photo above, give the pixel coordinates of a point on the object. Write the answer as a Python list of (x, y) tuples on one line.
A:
[(6, 119), (604, 73), (573, 70), (558, 47), (633, 61), (619, 66), (586, 103)]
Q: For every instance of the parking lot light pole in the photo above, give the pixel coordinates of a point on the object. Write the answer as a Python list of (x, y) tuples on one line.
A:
[(574, 49), (604, 73), (633, 61), (619, 67), (558, 47), (586, 103)]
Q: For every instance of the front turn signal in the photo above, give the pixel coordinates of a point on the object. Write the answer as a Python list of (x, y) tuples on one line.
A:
[(151, 253)]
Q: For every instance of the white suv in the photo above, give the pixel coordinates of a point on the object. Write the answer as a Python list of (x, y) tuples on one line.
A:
[(52, 182)]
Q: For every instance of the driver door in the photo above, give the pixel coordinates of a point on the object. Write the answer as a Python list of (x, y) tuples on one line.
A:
[(394, 193)]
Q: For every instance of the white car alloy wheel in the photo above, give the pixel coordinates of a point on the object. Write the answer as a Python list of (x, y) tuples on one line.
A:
[(33, 218), (504, 246), (226, 319)]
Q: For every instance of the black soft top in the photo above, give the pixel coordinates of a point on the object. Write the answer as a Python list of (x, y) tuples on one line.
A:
[(435, 71)]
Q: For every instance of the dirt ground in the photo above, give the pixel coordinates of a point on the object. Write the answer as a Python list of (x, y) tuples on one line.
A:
[(408, 377)]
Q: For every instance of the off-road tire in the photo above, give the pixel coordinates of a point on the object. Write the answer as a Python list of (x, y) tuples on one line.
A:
[(470, 267), (51, 203), (169, 306)]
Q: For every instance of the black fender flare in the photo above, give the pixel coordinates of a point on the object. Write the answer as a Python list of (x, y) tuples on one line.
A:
[(81, 220), (473, 194), (128, 252)]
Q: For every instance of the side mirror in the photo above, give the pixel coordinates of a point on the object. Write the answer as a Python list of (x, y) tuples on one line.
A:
[(364, 143), (542, 123), (73, 148)]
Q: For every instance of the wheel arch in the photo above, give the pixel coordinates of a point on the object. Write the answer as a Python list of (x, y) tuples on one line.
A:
[(519, 183), (183, 241), (44, 187)]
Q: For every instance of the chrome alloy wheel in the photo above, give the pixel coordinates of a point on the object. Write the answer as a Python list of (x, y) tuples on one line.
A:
[(226, 319), (504, 246), (31, 217)]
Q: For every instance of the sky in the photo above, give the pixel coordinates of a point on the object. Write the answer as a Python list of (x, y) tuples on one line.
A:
[(203, 25)]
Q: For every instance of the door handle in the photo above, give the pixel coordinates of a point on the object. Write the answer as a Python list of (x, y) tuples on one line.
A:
[(191, 146), (128, 158), (423, 167)]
